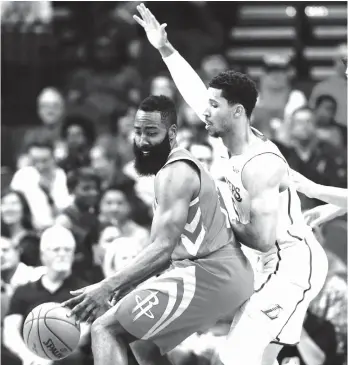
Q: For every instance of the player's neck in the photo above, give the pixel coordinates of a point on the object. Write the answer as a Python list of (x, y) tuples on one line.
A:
[(239, 139)]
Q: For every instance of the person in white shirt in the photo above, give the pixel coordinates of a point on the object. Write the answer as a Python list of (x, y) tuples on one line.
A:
[(43, 184)]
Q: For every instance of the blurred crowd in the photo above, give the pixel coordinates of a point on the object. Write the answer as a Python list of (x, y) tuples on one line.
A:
[(76, 205)]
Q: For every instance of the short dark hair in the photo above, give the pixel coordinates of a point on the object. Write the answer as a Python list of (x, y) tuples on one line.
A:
[(237, 88), (325, 97), (198, 143), (86, 124), (162, 104), (82, 174)]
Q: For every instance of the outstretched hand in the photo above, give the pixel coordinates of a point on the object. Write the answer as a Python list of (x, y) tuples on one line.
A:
[(155, 31)]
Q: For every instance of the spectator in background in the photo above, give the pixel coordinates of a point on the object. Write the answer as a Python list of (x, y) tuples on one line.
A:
[(335, 86), (79, 134), (17, 225), (81, 219), (43, 184), (118, 142), (203, 152), (317, 160), (57, 252), (277, 99), (104, 164), (118, 206), (51, 112), (162, 84), (328, 130), (119, 253), (13, 274), (211, 65)]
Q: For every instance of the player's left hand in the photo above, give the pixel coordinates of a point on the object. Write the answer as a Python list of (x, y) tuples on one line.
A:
[(88, 301)]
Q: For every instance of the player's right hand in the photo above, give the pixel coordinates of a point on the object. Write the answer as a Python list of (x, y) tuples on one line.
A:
[(155, 31)]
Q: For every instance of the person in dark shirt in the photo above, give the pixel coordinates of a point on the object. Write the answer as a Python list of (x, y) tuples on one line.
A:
[(57, 252), (328, 129), (81, 218), (79, 135), (315, 159)]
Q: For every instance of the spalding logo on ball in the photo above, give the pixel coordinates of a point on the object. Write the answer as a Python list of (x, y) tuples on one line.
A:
[(49, 333)]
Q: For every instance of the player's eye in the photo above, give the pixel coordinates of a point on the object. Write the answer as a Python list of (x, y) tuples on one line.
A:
[(151, 134)]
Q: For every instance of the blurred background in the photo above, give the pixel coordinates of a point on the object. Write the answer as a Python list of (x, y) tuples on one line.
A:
[(73, 74)]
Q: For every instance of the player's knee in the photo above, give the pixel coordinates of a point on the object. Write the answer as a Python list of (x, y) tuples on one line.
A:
[(107, 323)]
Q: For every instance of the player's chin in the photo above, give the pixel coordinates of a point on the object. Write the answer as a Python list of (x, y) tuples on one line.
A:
[(213, 133)]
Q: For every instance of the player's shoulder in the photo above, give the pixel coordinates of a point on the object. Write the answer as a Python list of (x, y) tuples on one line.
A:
[(266, 169), (179, 175)]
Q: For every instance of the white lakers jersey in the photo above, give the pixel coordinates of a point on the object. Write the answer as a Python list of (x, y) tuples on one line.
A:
[(291, 225)]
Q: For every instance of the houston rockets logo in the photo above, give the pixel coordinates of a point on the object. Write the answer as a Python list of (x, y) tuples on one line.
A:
[(144, 306)]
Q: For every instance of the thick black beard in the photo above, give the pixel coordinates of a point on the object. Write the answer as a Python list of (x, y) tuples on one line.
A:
[(155, 160)]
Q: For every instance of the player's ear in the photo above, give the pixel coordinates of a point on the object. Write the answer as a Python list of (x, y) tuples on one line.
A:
[(172, 131), (238, 111)]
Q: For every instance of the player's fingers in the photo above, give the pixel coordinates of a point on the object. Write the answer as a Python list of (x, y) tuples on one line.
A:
[(92, 315), (79, 309), (142, 13), (139, 21), (71, 302), (77, 292), (86, 312), (146, 16)]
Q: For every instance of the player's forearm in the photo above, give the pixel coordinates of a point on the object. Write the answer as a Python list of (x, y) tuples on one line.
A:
[(189, 84), (150, 261), (331, 195), (334, 211), (250, 237)]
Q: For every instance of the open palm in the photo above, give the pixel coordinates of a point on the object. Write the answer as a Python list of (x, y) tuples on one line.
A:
[(155, 31)]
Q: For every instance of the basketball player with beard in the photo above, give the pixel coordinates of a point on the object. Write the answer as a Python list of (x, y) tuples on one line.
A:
[(289, 263), (203, 274)]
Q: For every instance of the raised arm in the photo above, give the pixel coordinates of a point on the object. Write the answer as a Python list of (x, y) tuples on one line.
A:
[(189, 84), (263, 188), (328, 194)]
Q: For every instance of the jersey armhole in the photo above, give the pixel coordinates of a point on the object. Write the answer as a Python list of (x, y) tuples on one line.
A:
[(259, 154)]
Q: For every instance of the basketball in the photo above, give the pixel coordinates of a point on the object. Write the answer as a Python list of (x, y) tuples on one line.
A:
[(49, 333)]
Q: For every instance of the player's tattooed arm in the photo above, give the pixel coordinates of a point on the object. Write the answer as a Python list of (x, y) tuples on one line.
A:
[(175, 187), (189, 84), (262, 177)]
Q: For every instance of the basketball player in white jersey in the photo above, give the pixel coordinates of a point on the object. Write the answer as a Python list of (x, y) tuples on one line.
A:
[(290, 265)]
